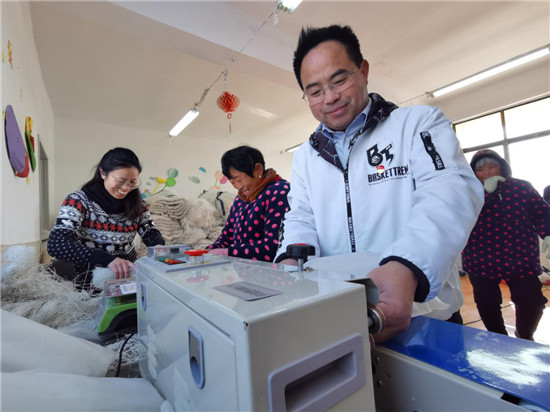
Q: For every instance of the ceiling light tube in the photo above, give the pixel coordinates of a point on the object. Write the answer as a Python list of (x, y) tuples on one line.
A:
[(288, 5), (492, 71), (184, 122)]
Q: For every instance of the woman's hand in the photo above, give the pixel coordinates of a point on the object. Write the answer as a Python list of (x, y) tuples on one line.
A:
[(219, 251), (122, 268)]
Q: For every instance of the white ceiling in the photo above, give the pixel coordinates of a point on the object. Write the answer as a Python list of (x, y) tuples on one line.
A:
[(144, 64)]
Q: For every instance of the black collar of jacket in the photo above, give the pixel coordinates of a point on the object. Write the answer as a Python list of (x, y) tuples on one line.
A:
[(379, 111)]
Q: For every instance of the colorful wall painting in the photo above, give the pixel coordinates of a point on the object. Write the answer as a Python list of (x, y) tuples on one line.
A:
[(17, 154), (29, 139), (157, 184), (10, 54), (220, 180), (169, 181)]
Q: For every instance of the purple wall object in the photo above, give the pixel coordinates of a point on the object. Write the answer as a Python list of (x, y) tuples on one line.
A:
[(14, 143)]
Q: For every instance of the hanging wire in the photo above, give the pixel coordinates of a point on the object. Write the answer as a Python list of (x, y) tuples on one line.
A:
[(237, 54), (425, 94), (232, 60), (205, 92)]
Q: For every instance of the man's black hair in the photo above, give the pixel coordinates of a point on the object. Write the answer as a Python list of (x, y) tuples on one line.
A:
[(242, 159), (311, 37)]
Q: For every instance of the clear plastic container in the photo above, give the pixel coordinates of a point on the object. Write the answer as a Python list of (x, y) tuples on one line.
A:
[(196, 256), (172, 252)]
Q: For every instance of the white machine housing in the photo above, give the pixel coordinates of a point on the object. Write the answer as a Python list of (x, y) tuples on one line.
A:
[(271, 340)]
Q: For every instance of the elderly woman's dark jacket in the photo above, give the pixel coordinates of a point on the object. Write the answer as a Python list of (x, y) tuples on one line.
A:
[(504, 242)]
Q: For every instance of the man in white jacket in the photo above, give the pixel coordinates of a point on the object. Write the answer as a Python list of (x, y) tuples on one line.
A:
[(378, 178)]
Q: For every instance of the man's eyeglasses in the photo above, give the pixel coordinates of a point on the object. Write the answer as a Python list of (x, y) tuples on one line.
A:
[(131, 185), (338, 84)]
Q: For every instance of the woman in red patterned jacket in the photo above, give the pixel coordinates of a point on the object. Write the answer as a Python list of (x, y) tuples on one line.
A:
[(504, 245)]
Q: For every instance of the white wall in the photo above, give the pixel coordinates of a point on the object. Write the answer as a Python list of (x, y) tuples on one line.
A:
[(23, 89), (80, 144)]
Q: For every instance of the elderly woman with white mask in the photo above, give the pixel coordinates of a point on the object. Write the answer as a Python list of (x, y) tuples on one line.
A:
[(504, 246)]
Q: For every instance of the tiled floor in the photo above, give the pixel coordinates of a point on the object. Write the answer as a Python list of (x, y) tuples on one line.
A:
[(471, 316)]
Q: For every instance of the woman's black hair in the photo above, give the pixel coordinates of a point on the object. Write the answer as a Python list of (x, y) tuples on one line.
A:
[(311, 37), (114, 159), (243, 159)]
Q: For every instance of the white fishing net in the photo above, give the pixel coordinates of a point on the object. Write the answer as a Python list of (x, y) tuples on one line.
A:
[(30, 290)]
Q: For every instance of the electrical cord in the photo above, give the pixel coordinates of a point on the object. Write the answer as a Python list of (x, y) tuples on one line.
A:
[(120, 354)]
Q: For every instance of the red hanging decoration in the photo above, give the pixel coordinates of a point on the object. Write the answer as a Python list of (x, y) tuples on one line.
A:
[(228, 102)]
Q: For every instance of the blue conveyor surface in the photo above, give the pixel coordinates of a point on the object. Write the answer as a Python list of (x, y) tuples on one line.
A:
[(514, 366)]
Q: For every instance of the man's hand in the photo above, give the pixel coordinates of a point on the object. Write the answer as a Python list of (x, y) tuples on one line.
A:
[(122, 268), (397, 285), (219, 251)]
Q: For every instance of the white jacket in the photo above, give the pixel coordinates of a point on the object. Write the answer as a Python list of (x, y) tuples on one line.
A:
[(412, 195)]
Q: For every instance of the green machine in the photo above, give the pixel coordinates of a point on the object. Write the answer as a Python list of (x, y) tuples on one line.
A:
[(117, 312)]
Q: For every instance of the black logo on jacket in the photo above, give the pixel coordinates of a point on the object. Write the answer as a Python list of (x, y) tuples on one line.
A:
[(376, 157), (381, 160)]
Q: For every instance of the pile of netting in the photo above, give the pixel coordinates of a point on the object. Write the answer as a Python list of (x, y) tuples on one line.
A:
[(29, 289)]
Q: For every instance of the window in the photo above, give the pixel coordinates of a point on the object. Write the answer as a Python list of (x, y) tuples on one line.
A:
[(529, 161), (528, 118), (480, 131), (519, 134)]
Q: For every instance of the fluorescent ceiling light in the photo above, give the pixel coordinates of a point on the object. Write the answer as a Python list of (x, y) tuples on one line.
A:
[(288, 5), (293, 148), (507, 65), (184, 122)]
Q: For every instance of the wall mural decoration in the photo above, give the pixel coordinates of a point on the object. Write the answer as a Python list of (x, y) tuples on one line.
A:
[(169, 181), (20, 150), (29, 139), (220, 180), (17, 154), (10, 54)]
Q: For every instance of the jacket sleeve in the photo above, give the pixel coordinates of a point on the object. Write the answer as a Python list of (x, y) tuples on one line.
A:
[(446, 203), (149, 233), (226, 236), (63, 242), (537, 208), (299, 223), (265, 245)]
